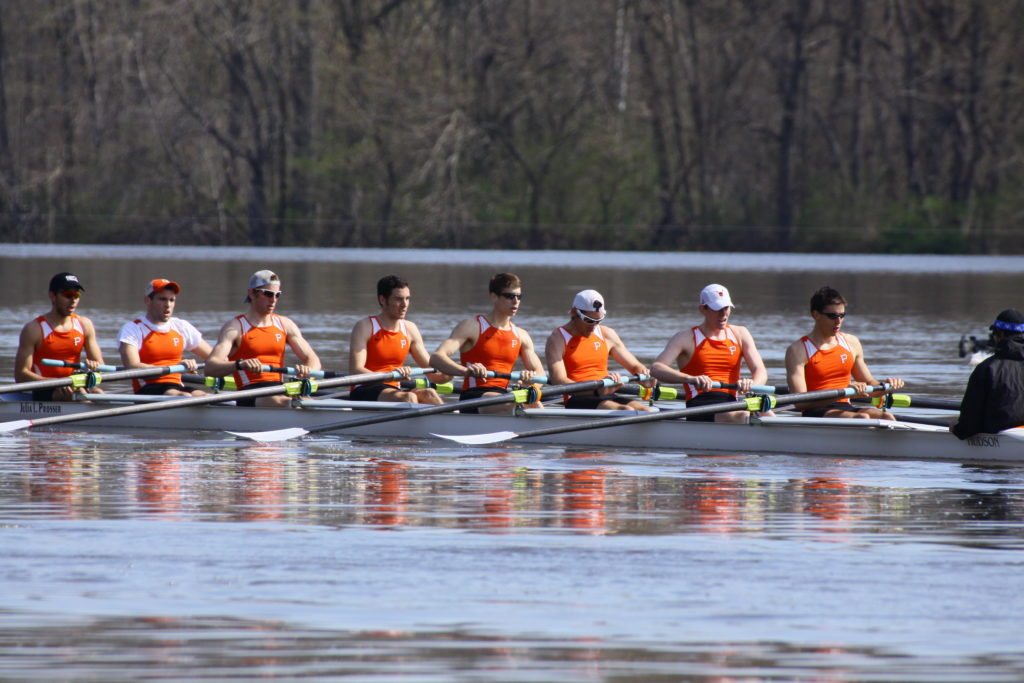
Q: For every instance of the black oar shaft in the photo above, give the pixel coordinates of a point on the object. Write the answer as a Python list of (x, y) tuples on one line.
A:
[(685, 412), (67, 381), (202, 400), (447, 407)]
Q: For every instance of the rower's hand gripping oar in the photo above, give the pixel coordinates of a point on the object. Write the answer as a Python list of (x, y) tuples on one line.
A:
[(753, 404), (88, 380), (527, 395), (301, 387)]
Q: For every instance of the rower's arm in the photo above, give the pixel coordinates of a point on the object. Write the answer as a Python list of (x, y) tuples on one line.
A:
[(217, 363), (675, 351), (796, 363), (862, 373), (303, 351), (418, 350), (91, 345), (29, 339), (528, 353), (755, 364), (623, 355), (554, 349), (358, 340), (441, 359)]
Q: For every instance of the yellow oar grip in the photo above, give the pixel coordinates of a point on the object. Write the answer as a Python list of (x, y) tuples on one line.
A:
[(898, 401), (760, 404)]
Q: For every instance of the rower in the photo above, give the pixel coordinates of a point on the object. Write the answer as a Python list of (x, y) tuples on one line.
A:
[(258, 337), (382, 342), (490, 343), (158, 338), (59, 334), (827, 359), (578, 351), (994, 399), (712, 352)]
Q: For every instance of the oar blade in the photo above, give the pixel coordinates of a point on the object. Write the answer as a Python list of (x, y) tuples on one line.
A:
[(14, 425), (478, 439), (272, 435)]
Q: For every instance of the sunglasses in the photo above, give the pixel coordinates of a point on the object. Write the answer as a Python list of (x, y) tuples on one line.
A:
[(270, 294), (588, 319), (510, 296), (72, 294), (833, 316)]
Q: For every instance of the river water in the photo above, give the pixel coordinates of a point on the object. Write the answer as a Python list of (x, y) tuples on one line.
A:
[(152, 555)]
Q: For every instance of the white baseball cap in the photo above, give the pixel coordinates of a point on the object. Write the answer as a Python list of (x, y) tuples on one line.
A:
[(715, 297), (589, 300), (261, 278)]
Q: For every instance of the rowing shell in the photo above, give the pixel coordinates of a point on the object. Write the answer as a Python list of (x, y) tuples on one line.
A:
[(779, 435)]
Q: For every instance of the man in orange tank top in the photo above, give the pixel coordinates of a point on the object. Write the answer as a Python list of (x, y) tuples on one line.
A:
[(578, 351), (158, 338), (60, 334), (827, 358), (490, 343), (258, 337), (712, 352), (382, 342)]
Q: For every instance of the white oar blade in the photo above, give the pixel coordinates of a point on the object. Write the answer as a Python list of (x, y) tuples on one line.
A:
[(273, 435), (478, 439), (14, 426)]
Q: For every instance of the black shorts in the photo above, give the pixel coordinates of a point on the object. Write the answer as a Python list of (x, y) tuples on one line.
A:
[(368, 392), (160, 388), (591, 402), (251, 402), (838, 405), (42, 394), (708, 398), (477, 392)]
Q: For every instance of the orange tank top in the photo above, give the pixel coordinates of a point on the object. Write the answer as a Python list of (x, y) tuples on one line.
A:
[(266, 343), (496, 349), (160, 348), (386, 349), (66, 346), (719, 359), (828, 368), (585, 358)]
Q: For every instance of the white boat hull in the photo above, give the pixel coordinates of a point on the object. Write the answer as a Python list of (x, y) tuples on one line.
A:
[(795, 436)]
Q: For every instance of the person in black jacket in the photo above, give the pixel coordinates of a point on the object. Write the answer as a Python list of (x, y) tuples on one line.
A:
[(994, 399)]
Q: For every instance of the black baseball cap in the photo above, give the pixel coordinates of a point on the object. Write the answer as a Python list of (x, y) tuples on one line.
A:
[(62, 282)]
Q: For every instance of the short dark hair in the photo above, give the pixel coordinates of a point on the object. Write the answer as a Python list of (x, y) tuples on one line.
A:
[(502, 281), (826, 296), (390, 283)]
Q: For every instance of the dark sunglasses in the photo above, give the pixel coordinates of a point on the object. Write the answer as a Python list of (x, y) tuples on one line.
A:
[(588, 319), (510, 296), (833, 316), (269, 293)]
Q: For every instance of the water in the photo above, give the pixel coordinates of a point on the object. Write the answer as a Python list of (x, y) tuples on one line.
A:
[(184, 556)]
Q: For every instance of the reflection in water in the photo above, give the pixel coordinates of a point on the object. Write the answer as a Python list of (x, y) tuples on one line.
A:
[(386, 493), (66, 479), (261, 491), (159, 482), (584, 492)]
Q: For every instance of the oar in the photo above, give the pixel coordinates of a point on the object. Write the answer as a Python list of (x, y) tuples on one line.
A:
[(88, 380), (517, 396), (215, 383), (78, 365), (408, 385), (288, 387), (753, 404), (905, 401)]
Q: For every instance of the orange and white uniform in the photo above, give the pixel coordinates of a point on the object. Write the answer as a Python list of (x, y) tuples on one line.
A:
[(266, 343), (828, 368), (719, 359), (496, 350), (66, 346), (386, 349), (160, 344), (585, 358)]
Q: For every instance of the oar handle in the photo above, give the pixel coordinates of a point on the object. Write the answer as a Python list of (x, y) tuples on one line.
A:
[(79, 365), (330, 374)]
